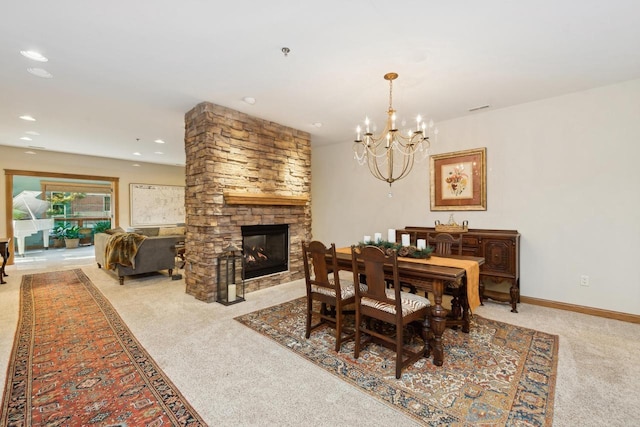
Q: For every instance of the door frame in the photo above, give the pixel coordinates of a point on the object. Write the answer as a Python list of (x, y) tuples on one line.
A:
[(10, 173)]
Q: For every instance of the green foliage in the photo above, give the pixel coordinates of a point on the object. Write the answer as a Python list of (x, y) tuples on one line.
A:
[(101, 226), (403, 251), (66, 231), (18, 214)]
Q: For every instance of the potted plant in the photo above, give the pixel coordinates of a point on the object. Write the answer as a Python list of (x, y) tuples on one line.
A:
[(68, 233), (58, 233), (72, 236)]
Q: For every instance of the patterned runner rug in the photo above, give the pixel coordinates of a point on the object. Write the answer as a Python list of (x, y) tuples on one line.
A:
[(75, 362), (496, 375)]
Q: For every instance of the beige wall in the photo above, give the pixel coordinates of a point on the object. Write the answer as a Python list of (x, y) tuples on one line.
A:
[(47, 161), (562, 171)]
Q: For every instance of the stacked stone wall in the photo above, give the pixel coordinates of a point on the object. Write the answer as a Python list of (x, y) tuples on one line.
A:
[(229, 151)]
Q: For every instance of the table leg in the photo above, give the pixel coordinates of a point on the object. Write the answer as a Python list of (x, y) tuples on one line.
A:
[(466, 321), (438, 322)]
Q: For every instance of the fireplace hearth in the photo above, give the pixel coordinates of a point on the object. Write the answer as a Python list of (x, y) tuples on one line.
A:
[(265, 249)]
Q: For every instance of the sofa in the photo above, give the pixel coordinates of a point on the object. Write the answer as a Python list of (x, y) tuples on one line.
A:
[(154, 253)]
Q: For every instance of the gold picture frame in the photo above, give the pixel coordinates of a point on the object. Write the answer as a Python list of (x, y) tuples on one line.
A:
[(459, 181)]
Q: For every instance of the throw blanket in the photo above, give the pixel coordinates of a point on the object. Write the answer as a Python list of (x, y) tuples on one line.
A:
[(121, 249)]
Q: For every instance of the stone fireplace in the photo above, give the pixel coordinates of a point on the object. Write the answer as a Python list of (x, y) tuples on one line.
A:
[(242, 171), (265, 249)]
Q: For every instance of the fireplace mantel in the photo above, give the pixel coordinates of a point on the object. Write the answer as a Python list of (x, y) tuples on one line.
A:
[(232, 198)]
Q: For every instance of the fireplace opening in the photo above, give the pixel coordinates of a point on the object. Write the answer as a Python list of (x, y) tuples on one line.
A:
[(265, 249)]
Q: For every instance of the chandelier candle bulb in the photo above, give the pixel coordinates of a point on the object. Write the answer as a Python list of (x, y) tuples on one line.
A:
[(391, 235), (406, 240), (377, 237), (422, 244)]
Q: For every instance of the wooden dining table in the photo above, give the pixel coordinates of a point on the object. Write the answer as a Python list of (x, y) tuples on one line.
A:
[(430, 278)]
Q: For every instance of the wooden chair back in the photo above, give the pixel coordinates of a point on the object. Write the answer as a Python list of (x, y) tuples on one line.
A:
[(316, 269), (444, 243), (370, 261)]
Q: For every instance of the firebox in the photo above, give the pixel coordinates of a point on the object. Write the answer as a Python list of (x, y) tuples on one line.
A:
[(265, 249)]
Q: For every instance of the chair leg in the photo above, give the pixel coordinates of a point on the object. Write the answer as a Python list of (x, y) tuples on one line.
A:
[(356, 348), (309, 307), (399, 346), (338, 330)]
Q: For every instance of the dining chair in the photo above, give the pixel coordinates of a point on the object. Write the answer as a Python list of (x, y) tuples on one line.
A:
[(444, 243), (391, 306), (324, 285)]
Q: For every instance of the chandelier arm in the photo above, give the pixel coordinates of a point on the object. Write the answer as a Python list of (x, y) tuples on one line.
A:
[(375, 169), (406, 167)]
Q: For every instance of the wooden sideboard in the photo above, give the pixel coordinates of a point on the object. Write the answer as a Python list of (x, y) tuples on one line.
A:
[(499, 248)]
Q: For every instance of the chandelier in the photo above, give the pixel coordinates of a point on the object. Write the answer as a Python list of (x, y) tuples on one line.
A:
[(391, 154)]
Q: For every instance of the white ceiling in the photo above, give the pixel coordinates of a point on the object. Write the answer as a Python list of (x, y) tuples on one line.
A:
[(126, 72)]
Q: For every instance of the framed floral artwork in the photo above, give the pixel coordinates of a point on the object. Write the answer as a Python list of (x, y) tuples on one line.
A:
[(459, 181)]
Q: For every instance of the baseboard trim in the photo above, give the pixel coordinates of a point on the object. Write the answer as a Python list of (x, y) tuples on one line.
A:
[(625, 317)]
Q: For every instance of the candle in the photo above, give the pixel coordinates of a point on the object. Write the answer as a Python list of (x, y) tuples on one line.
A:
[(367, 239), (391, 235), (378, 237), (406, 240), (231, 291), (358, 133), (422, 244)]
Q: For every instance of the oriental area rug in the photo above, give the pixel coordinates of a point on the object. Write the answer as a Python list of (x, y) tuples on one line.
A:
[(75, 362), (496, 375)]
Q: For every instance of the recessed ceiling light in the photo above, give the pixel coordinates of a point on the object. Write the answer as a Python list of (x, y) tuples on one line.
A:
[(26, 138), (39, 72), (36, 56), (29, 152), (137, 154), (135, 165), (249, 100), (159, 141), (317, 124), (28, 118), (36, 148), (158, 152), (32, 132)]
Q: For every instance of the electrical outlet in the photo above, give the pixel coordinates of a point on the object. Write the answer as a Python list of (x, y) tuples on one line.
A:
[(584, 280)]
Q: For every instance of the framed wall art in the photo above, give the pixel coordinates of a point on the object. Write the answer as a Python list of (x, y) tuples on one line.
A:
[(459, 181)]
